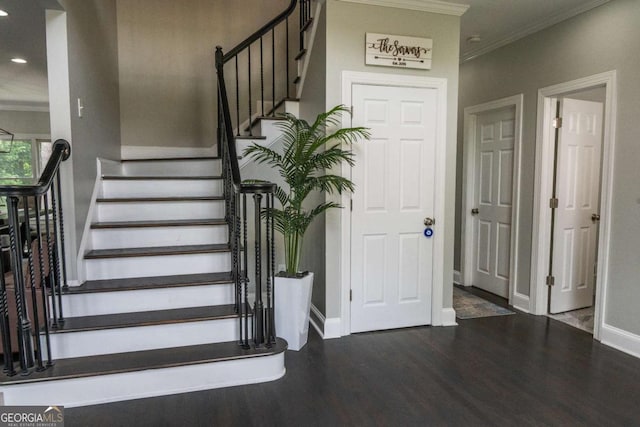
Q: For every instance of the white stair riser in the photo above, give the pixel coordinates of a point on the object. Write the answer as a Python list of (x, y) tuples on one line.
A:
[(165, 265), (111, 238), (146, 383), (172, 167), (123, 340), (98, 303), (161, 188), (139, 211)]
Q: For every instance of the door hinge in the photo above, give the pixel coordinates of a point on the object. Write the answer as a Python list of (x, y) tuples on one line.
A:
[(557, 122), (551, 280), (350, 295), (351, 202), (553, 203), (351, 110)]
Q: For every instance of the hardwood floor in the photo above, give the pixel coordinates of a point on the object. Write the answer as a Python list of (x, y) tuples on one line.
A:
[(517, 370)]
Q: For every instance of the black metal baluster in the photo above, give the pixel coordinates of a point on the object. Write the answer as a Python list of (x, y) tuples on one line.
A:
[(258, 307), (34, 294), (237, 98), (245, 280), (62, 260), (261, 78), (4, 324), (56, 251), (286, 60), (273, 270), (273, 72), (43, 290), (25, 347), (268, 326), (52, 277), (250, 98), (301, 22)]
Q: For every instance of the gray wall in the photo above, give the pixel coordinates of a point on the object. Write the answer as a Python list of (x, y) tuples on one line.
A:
[(93, 76), (25, 122), (347, 24), (606, 38), (167, 74), (312, 103)]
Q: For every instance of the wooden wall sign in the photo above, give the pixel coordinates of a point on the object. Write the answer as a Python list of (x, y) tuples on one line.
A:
[(398, 51)]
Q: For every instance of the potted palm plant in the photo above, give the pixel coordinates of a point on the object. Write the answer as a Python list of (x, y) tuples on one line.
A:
[(308, 151)]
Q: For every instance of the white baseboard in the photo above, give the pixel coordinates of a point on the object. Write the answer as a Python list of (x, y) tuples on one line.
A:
[(457, 278), (521, 302), (144, 152), (327, 328), (449, 317), (620, 339)]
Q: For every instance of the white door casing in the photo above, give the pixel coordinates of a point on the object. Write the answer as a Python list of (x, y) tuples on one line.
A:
[(495, 135), (394, 174), (543, 191), (578, 194)]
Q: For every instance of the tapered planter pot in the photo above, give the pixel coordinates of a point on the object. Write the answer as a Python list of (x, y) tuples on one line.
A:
[(293, 302)]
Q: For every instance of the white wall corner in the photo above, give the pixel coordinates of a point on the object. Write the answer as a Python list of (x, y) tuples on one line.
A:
[(327, 328), (521, 302), (457, 278), (449, 317), (620, 339)]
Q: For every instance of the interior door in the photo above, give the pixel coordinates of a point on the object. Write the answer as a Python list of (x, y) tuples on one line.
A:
[(394, 174), (495, 135), (578, 194)]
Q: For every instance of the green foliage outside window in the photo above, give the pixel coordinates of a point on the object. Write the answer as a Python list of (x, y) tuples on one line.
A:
[(16, 167)]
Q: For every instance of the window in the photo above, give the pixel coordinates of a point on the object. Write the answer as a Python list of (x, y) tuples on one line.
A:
[(25, 161)]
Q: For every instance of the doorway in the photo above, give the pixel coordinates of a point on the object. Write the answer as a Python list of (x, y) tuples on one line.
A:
[(572, 198), (395, 269), (492, 146)]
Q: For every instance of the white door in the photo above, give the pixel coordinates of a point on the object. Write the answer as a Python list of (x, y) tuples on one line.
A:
[(495, 135), (578, 194), (394, 174)]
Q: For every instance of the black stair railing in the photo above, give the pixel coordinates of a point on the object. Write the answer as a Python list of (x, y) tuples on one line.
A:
[(259, 69), (33, 270)]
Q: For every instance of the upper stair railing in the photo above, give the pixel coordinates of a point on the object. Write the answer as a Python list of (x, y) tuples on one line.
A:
[(262, 75), (33, 270)]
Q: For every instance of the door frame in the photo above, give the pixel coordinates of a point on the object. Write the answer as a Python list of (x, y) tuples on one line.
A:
[(350, 78), (543, 183), (517, 299)]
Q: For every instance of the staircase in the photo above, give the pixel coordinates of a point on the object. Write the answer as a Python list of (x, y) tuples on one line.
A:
[(166, 306)]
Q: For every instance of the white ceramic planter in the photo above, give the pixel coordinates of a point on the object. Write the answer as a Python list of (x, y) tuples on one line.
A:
[(293, 302)]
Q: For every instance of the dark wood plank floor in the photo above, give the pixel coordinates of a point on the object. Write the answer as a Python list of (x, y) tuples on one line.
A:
[(517, 370)]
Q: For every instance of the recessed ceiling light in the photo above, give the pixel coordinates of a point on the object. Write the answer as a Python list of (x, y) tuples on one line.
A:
[(474, 39), (19, 60), (3, 13)]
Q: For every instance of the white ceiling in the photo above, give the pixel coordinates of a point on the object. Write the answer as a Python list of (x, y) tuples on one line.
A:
[(497, 22)]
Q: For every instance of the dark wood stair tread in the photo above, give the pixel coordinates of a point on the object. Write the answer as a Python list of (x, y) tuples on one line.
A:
[(306, 25), (82, 367), (156, 159), (158, 177), (159, 199), (250, 137), (156, 251), (158, 223), (297, 80), (145, 318), (139, 283)]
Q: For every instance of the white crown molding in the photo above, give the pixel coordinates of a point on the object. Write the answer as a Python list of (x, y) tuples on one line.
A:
[(536, 26), (433, 6), (42, 107)]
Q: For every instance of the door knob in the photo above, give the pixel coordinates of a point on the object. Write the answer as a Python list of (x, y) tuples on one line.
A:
[(475, 211), (595, 217), (429, 221)]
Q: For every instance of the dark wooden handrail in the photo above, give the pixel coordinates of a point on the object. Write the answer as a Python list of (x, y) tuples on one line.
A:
[(60, 152)]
